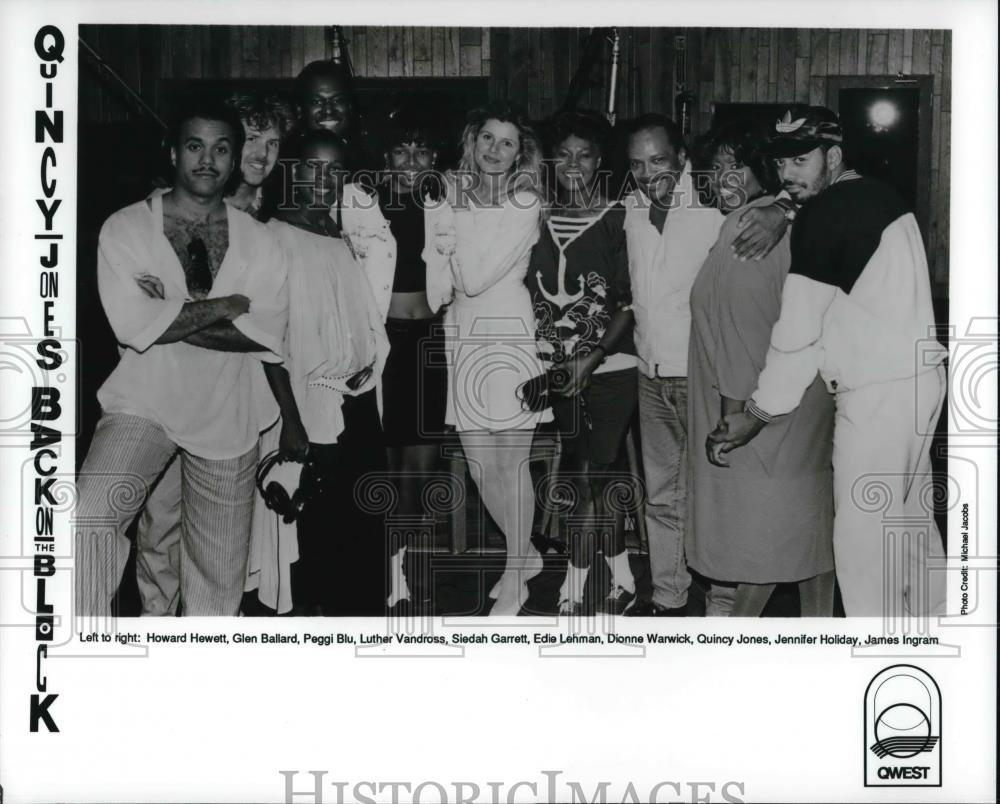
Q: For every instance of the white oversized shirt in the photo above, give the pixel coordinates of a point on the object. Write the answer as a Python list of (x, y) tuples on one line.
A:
[(335, 328), (210, 403), (663, 267)]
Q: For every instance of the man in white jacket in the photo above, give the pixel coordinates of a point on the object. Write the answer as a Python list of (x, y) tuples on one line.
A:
[(856, 306)]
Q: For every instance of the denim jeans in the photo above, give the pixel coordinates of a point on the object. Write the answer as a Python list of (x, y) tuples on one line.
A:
[(663, 422)]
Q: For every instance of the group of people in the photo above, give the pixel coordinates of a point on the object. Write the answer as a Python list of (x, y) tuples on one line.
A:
[(287, 332)]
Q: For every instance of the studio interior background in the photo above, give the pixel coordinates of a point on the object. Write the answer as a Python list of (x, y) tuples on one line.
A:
[(129, 75)]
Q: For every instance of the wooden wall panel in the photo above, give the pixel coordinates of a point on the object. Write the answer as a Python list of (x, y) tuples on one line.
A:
[(534, 68)]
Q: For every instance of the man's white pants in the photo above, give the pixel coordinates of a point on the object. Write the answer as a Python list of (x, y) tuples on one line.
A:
[(884, 531), (126, 456)]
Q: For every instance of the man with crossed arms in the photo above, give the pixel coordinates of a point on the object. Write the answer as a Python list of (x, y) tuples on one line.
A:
[(267, 121), (195, 293)]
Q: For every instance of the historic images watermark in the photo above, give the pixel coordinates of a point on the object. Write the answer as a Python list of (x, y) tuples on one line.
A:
[(313, 787)]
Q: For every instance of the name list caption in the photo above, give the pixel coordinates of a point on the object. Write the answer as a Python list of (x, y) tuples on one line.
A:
[(326, 639)]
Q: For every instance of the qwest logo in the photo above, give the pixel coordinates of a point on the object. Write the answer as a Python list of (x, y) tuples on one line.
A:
[(903, 729)]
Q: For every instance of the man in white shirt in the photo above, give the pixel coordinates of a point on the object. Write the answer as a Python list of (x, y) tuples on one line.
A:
[(267, 121), (195, 293), (856, 306), (669, 233)]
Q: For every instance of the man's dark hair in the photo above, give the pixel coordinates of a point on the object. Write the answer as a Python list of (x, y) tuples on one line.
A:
[(583, 123), (324, 69), (261, 112), (651, 120), (202, 108), (747, 142), (206, 109)]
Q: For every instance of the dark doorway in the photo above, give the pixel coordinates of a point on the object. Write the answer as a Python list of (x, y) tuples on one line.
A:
[(887, 133), (881, 135)]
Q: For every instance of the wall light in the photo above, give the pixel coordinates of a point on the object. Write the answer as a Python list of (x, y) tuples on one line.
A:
[(882, 115)]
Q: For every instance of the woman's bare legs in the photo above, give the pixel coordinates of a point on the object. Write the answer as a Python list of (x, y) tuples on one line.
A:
[(499, 464)]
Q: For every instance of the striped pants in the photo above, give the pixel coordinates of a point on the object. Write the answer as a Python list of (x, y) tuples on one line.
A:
[(125, 458)]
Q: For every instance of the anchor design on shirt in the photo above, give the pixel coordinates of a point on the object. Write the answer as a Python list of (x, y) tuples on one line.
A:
[(562, 298), (564, 231)]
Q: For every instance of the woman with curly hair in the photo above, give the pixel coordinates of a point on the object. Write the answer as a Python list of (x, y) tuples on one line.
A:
[(485, 229), (579, 282)]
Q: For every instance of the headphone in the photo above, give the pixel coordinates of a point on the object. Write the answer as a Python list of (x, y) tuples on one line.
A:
[(275, 495)]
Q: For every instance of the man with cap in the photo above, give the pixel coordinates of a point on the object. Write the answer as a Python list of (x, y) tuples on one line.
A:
[(856, 306)]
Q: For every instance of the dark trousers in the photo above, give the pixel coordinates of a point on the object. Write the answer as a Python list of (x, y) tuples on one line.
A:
[(343, 560)]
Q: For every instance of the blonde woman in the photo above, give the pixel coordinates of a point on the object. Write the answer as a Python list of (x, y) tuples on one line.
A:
[(486, 230)]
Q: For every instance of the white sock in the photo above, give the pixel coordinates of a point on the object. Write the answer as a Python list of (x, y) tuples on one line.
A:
[(398, 588), (621, 572), (572, 585)]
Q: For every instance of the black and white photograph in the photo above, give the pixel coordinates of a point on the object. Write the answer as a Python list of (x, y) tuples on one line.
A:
[(401, 360), (566, 346)]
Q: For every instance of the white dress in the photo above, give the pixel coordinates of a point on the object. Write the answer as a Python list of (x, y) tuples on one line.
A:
[(490, 326)]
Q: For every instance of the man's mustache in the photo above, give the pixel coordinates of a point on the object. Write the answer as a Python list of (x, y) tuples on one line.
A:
[(658, 179)]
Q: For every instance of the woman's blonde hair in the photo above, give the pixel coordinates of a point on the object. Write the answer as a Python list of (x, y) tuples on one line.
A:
[(527, 171)]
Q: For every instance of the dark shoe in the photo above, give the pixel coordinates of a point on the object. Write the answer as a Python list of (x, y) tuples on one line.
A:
[(618, 601), (546, 546), (648, 608), (307, 610)]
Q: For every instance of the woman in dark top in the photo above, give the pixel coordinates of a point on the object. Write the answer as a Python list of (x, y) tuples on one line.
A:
[(415, 382), (579, 282)]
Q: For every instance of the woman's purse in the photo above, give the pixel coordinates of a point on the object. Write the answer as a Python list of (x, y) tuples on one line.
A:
[(534, 393)]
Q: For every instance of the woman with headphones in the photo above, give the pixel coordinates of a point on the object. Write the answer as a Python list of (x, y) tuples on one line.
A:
[(335, 351)]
